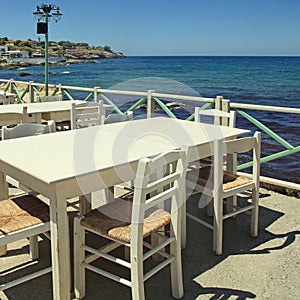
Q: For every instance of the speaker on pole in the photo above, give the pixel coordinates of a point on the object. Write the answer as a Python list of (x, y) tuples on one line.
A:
[(42, 28)]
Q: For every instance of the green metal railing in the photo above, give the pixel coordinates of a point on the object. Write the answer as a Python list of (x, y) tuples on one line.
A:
[(150, 100)]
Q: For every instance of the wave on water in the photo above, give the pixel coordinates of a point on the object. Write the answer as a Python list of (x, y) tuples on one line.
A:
[(63, 72)]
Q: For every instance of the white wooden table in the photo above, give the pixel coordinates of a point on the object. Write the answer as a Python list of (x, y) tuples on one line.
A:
[(58, 111), (67, 164)]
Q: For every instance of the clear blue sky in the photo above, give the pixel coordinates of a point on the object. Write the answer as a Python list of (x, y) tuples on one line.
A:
[(166, 27)]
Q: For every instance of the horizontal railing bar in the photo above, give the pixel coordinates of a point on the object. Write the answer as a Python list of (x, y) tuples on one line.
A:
[(76, 88), (266, 108), (131, 93), (181, 97)]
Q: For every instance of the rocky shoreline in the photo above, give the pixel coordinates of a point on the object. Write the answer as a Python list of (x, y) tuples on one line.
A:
[(17, 65)]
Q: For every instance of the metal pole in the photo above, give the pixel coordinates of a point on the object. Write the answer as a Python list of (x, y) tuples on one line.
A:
[(46, 56)]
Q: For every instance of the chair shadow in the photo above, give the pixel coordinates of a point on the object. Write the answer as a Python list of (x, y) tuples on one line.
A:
[(199, 258)]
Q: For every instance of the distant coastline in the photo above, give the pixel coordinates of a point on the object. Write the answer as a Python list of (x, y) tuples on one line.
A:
[(14, 65), (15, 54)]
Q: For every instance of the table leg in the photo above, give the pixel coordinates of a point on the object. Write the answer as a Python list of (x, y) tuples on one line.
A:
[(3, 195), (60, 248)]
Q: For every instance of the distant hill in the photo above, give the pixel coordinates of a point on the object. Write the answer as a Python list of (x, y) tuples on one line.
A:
[(72, 52)]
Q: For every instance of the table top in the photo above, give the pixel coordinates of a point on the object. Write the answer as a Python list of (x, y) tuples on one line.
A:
[(59, 156)]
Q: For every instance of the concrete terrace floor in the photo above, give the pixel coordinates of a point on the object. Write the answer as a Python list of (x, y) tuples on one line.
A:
[(267, 267)]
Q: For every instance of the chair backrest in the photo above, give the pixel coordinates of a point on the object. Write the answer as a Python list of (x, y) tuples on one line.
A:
[(115, 118), (27, 129), (86, 114), (219, 117), (231, 147), (157, 180), (49, 98)]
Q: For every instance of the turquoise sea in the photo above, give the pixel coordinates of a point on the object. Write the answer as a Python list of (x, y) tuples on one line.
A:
[(271, 81)]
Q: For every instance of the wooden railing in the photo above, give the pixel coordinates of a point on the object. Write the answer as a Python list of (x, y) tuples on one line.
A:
[(151, 100)]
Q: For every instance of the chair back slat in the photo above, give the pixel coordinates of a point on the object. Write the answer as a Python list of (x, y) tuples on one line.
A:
[(86, 114), (219, 117), (153, 186), (240, 145)]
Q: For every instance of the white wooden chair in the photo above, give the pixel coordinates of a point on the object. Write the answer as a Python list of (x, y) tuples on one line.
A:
[(219, 184), (218, 117), (86, 114), (129, 223), (50, 98), (23, 217), (19, 131), (23, 130), (115, 118)]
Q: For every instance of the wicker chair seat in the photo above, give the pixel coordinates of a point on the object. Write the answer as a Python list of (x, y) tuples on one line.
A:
[(204, 176), (114, 220), (22, 212)]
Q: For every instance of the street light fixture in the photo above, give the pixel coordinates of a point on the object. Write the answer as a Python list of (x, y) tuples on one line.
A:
[(43, 15)]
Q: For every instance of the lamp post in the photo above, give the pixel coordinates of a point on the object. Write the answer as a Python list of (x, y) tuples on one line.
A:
[(43, 15)]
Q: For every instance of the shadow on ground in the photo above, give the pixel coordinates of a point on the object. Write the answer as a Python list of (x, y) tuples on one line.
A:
[(198, 261)]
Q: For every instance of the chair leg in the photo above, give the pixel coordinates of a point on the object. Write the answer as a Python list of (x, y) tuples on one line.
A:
[(34, 247), (79, 256), (155, 240), (209, 208), (127, 253), (254, 213), (137, 272), (85, 204), (218, 225), (176, 265), (183, 226), (231, 204)]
